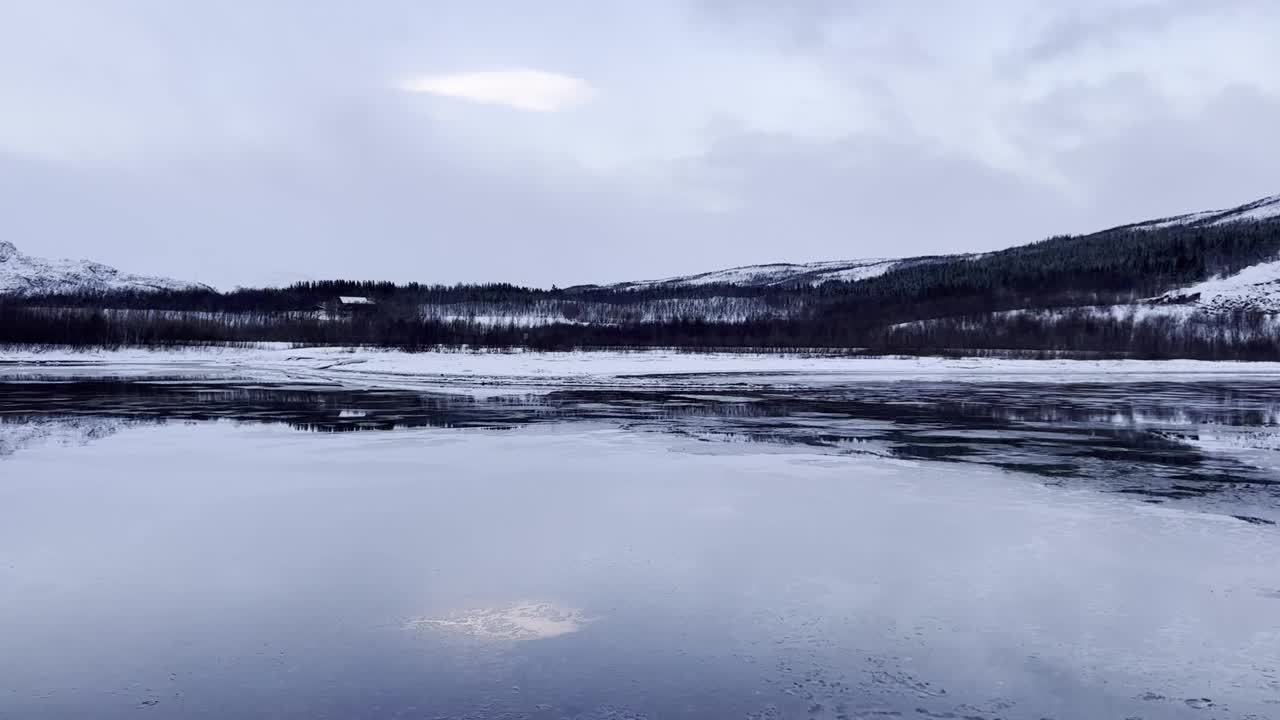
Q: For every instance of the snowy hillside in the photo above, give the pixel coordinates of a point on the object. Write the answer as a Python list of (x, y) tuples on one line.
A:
[(27, 275), (812, 274), (817, 273), (1256, 288), (1267, 208)]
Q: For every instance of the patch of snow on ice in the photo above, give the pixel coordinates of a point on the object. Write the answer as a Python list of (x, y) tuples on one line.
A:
[(521, 622)]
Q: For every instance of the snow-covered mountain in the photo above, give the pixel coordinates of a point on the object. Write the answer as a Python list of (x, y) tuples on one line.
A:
[(812, 274), (817, 273), (1255, 288), (28, 275), (1268, 208)]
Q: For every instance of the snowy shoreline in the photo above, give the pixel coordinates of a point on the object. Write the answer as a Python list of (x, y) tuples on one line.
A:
[(369, 367)]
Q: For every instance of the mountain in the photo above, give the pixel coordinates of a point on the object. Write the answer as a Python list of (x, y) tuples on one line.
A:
[(1203, 284), (1267, 208), (817, 273), (1158, 260), (1211, 280), (1255, 288), (774, 274), (28, 275)]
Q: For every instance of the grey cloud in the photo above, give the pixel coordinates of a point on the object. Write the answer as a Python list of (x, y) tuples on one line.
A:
[(804, 11), (355, 198), (873, 196), (428, 216), (801, 24), (364, 190), (1172, 161), (1113, 25), (262, 144)]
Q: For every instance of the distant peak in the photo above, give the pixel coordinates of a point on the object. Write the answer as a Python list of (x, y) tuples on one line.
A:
[(26, 275)]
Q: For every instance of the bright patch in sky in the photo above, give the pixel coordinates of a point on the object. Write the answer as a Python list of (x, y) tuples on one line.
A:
[(532, 90)]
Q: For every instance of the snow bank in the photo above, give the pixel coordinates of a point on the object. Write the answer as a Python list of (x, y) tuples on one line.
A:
[(389, 368)]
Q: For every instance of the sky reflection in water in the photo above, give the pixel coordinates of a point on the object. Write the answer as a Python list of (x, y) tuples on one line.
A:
[(799, 554)]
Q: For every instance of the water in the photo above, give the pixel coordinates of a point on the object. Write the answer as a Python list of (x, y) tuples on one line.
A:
[(187, 549)]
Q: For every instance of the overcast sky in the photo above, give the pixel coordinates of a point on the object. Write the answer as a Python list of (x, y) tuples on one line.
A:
[(247, 142)]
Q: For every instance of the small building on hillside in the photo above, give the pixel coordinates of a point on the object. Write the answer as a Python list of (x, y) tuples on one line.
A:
[(348, 305)]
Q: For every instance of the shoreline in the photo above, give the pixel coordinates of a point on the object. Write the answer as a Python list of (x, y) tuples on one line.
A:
[(369, 367)]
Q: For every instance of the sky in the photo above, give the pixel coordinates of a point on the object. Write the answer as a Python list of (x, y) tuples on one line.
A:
[(246, 143)]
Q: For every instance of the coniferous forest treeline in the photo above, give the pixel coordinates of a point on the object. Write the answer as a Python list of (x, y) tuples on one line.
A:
[(1043, 297)]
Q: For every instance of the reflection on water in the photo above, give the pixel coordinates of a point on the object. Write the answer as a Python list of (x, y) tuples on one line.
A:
[(840, 553), (1157, 441)]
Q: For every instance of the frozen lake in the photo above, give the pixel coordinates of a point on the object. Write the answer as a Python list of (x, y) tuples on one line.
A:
[(181, 548)]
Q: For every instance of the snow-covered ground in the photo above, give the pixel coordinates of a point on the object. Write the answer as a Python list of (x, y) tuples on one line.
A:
[(547, 312), (375, 367), (1137, 312), (25, 274), (1256, 288), (1173, 306)]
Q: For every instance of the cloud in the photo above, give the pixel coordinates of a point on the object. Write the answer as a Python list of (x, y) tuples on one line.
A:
[(1074, 33), (799, 23), (532, 90), (787, 131)]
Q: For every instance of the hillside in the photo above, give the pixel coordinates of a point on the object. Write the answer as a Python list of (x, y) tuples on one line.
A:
[(772, 275), (1253, 289), (1203, 285), (22, 274), (1215, 260), (1267, 208), (1124, 265)]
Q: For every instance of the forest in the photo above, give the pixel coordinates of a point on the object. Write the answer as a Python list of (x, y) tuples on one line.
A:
[(1043, 297)]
